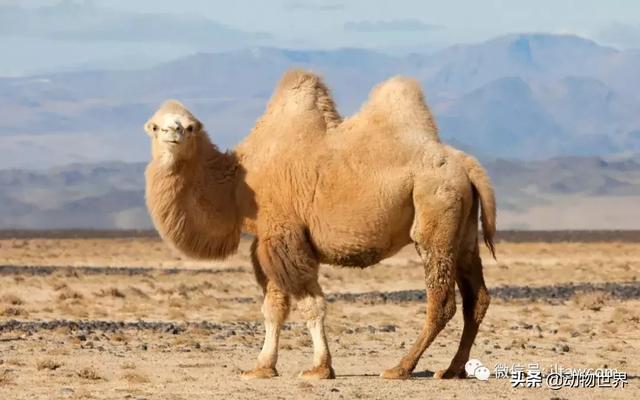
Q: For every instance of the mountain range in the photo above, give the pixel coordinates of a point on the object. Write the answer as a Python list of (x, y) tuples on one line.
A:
[(523, 96), (553, 118)]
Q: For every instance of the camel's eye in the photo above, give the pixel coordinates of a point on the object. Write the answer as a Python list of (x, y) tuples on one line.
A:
[(190, 128), (154, 127)]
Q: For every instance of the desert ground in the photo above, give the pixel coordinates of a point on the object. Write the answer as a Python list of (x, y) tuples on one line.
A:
[(128, 318)]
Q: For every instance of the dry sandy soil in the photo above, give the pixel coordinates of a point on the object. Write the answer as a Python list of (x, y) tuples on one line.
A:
[(127, 318)]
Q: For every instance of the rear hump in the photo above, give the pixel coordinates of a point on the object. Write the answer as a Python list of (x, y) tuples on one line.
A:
[(399, 102)]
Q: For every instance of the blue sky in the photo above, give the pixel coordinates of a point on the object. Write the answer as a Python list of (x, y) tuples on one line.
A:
[(392, 26)]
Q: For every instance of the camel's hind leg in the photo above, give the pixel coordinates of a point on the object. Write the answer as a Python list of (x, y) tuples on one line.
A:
[(275, 309), (475, 301), (435, 233)]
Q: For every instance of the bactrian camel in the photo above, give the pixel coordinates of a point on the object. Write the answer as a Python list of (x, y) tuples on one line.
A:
[(314, 188)]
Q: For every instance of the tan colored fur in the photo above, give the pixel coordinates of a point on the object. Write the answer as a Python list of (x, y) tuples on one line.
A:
[(196, 228), (481, 183), (299, 91), (314, 188)]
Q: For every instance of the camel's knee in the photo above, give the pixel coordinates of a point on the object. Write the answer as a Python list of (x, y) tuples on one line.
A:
[(312, 307), (449, 307), (482, 304), (311, 302), (440, 281), (276, 304), (441, 307)]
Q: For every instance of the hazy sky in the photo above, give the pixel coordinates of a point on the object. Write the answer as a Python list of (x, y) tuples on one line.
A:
[(399, 25)]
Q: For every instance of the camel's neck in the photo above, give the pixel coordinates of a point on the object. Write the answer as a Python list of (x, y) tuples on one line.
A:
[(193, 202)]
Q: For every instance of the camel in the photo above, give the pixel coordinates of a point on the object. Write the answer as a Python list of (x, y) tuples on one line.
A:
[(313, 188)]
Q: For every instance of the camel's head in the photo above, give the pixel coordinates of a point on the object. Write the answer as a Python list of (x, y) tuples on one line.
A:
[(174, 132)]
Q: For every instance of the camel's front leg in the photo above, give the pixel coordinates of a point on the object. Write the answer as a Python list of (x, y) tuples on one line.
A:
[(275, 309), (312, 305), (288, 259)]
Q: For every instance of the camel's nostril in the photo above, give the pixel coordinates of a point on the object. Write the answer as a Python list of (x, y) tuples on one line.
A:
[(171, 136)]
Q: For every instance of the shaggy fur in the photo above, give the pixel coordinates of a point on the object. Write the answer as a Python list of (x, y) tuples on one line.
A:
[(314, 188), (186, 181)]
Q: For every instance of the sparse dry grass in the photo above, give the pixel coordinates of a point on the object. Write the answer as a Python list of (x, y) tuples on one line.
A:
[(12, 312), (119, 337), (591, 301), (5, 377), (111, 292), (49, 364), (12, 299), (128, 365), (70, 294), (135, 377), (89, 373)]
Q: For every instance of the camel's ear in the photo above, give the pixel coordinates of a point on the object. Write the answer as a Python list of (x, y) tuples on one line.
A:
[(194, 127), (151, 128)]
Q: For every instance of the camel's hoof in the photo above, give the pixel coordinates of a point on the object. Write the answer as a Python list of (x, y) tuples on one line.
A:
[(320, 372), (450, 374), (396, 373), (260, 373)]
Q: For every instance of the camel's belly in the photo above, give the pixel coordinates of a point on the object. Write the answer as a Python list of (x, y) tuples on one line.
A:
[(363, 221), (346, 243), (360, 258)]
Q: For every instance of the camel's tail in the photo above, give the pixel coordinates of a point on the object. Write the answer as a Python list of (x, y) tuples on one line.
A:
[(482, 184)]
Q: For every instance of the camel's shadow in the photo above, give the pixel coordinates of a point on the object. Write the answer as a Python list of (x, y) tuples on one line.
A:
[(423, 374), (420, 374)]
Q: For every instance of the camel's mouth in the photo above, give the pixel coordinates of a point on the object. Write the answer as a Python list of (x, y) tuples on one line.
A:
[(170, 137)]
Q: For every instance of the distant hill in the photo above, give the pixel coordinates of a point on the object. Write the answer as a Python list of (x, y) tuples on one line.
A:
[(559, 193), (531, 96), (109, 195)]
